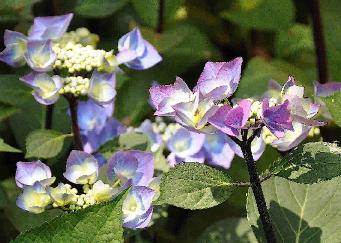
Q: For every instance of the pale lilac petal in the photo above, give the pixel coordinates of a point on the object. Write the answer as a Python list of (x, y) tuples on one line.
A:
[(40, 56), (146, 128), (327, 89), (102, 87), (13, 54), (257, 148), (28, 173), (50, 28)]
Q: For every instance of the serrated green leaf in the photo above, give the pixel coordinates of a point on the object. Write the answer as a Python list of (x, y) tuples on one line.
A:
[(300, 212), (44, 143), (99, 223), (195, 186), (333, 103), (236, 230), (7, 148), (310, 163), (262, 14), (98, 8)]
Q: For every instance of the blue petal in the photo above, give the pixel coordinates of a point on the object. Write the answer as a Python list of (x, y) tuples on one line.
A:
[(102, 87), (40, 56)]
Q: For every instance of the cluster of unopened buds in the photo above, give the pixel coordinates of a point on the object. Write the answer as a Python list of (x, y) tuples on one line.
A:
[(124, 169), (69, 63)]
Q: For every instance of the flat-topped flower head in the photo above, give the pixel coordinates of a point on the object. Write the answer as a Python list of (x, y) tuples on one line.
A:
[(135, 52), (217, 148), (81, 168), (34, 199), (45, 88), (49, 28), (194, 114), (164, 97), (137, 207), (219, 80), (231, 120), (40, 56), (15, 48), (155, 138), (277, 118), (134, 165), (62, 195), (185, 146), (28, 173), (102, 87), (93, 117)]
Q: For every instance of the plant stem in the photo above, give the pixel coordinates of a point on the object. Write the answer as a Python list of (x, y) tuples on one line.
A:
[(49, 116), (245, 146), (160, 23), (77, 140), (319, 40)]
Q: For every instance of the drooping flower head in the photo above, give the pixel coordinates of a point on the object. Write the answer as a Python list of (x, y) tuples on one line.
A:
[(102, 87), (137, 207), (135, 52), (81, 168), (15, 48), (134, 165), (45, 88), (28, 173)]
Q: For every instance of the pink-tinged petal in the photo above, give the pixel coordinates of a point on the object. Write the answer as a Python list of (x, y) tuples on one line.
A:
[(327, 89), (308, 122), (102, 87), (28, 173), (289, 83), (50, 28), (219, 79), (40, 56), (218, 121)]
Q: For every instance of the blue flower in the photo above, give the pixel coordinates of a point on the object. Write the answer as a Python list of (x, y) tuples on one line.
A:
[(102, 87), (15, 44)]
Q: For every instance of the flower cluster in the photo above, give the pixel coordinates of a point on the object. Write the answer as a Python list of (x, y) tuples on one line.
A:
[(69, 64), (124, 169), (283, 114)]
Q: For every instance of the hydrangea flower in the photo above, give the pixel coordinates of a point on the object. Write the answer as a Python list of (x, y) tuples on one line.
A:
[(219, 80), (34, 199), (62, 194), (217, 148), (135, 52), (15, 48), (49, 28), (45, 88), (81, 168), (28, 173), (102, 192), (146, 128), (102, 87), (186, 146), (40, 56), (137, 207), (134, 165)]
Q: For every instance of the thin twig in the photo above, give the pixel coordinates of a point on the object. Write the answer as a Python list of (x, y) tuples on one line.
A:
[(320, 46), (160, 24), (49, 116), (77, 140)]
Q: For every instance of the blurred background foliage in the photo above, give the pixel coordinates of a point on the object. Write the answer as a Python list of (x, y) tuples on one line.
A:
[(274, 37)]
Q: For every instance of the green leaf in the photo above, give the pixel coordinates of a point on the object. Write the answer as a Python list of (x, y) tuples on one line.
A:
[(7, 111), (299, 212), (13, 91), (236, 230), (333, 103), (99, 223), (150, 14), (195, 186), (16, 10), (134, 140), (310, 163), (44, 143), (262, 14), (7, 148), (98, 8)]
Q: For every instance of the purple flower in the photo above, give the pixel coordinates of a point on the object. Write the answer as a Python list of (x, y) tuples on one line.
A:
[(93, 117), (218, 151), (137, 207), (15, 44), (164, 97), (277, 118), (93, 140), (30, 172), (81, 168), (102, 87), (219, 80), (49, 28), (327, 89), (40, 56), (147, 128), (186, 146), (232, 120), (134, 165), (135, 52), (45, 88)]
